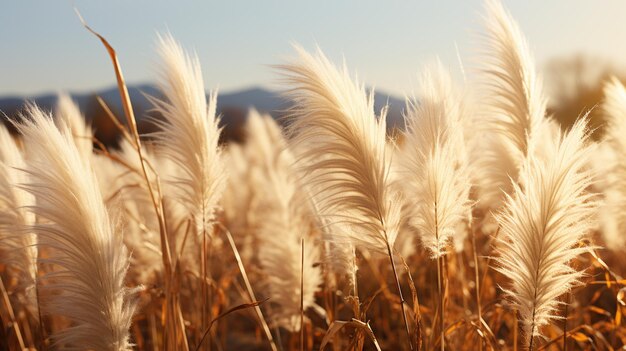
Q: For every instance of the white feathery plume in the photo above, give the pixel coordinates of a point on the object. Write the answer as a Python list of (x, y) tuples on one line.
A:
[(613, 212), (248, 165), (88, 288), (614, 105), (189, 134), (493, 168), (17, 246), (342, 259), (342, 150), (339, 255), (237, 200), (247, 168), (517, 93), (405, 242), (340, 251), (602, 161), (435, 173), (286, 218), (280, 256), (541, 226), (69, 116), (265, 141), (515, 104), (546, 136)]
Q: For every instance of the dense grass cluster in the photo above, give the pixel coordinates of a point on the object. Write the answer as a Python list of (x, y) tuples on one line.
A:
[(481, 226)]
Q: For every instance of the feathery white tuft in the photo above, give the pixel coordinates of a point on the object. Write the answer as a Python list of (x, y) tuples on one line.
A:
[(341, 257), (515, 104), (69, 116), (282, 207), (435, 165), (17, 247), (237, 201), (517, 94), (88, 288), (342, 150), (189, 134), (613, 213), (541, 227)]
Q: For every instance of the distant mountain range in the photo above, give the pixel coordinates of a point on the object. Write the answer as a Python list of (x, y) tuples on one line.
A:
[(232, 106)]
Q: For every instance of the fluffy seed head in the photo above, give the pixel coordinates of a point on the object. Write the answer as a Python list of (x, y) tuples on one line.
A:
[(189, 133), (88, 287), (542, 225), (341, 149)]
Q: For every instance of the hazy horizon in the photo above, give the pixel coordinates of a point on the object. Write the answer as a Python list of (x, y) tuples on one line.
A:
[(47, 50)]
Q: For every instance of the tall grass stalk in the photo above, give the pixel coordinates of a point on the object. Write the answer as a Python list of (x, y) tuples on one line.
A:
[(174, 327)]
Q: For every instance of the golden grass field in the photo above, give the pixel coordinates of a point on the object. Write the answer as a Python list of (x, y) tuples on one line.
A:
[(484, 225)]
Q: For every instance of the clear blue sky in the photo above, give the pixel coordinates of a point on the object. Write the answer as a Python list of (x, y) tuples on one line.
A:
[(45, 49)]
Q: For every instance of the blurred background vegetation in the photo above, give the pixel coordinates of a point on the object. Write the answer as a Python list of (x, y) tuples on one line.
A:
[(574, 86)]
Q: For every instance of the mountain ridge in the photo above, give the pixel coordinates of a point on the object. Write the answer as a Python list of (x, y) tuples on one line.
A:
[(232, 106)]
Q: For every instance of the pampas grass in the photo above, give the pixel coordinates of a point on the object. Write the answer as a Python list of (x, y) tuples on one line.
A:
[(614, 167), (285, 219), (436, 170), (542, 225), (17, 244), (88, 287), (344, 155), (284, 239), (517, 99), (69, 116), (189, 134), (343, 151), (435, 162), (515, 104)]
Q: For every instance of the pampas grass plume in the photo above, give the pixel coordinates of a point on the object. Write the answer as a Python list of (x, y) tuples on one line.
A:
[(342, 149), (435, 165), (613, 148), (88, 288), (189, 134), (541, 226)]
